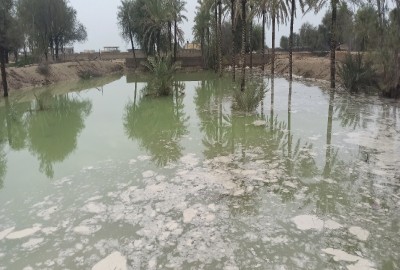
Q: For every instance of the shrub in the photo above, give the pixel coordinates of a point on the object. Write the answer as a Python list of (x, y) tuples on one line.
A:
[(249, 99), (162, 69), (357, 74), (43, 69)]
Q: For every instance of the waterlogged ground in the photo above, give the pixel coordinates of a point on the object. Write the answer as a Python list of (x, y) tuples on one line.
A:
[(107, 179)]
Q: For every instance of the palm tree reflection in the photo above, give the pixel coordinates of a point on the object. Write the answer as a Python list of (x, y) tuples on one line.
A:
[(159, 125)]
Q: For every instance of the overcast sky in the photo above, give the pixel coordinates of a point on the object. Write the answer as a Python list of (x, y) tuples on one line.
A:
[(100, 19)]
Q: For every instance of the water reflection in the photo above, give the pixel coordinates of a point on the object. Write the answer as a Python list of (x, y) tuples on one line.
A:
[(158, 124), (48, 130), (53, 132)]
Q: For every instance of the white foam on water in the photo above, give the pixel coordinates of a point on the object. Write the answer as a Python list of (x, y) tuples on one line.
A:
[(94, 208), (308, 222), (259, 123), (114, 261), (332, 225), (189, 214), (45, 214), (87, 230), (32, 243), (23, 233), (4, 233), (148, 174), (360, 263), (359, 232)]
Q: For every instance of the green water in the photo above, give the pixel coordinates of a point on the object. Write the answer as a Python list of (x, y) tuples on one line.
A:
[(311, 181)]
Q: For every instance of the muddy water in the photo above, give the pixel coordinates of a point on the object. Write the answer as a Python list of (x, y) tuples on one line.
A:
[(105, 178)]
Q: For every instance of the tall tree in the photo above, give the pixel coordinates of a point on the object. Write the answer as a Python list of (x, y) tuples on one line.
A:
[(5, 18), (126, 22), (243, 50), (279, 14)]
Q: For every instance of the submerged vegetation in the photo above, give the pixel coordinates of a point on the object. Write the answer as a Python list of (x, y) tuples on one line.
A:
[(249, 99), (162, 69)]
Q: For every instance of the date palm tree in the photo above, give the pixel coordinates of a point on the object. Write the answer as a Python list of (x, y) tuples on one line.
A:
[(126, 23), (178, 9), (279, 12), (243, 50)]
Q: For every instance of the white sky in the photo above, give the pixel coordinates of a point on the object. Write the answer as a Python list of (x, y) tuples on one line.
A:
[(100, 19)]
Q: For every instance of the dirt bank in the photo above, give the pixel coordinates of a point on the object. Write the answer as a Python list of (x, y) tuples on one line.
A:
[(33, 76), (307, 65)]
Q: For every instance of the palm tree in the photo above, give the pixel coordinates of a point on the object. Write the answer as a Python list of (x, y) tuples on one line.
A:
[(279, 14), (126, 23), (243, 50), (179, 7), (292, 15), (201, 28), (219, 30), (262, 10)]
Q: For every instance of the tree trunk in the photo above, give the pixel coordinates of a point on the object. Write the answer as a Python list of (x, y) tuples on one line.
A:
[(333, 44), (251, 39), (291, 40), (216, 36), (273, 42), (170, 35), (133, 47), (233, 2), (220, 37), (175, 39), (328, 153), (57, 43), (3, 71), (7, 60), (243, 51), (263, 37)]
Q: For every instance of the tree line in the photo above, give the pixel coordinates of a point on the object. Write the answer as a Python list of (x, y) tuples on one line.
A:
[(40, 28)]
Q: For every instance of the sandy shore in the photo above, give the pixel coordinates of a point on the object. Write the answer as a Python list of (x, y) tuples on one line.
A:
[(29, 77), (304, 65)]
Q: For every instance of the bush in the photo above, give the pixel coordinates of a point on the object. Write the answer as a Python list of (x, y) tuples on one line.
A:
[(43, 69), (249, 99), (357, 74), (162, 69)]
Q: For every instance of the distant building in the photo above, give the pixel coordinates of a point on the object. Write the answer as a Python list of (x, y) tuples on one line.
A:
[(110, 49), (192, 46)]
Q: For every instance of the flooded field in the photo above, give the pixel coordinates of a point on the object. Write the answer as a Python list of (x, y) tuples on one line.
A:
[(105, 178)]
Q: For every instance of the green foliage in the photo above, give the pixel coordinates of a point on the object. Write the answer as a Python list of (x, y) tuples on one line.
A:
[(284, 43), (47, 26), (162, 69), (249, 99), (150, 23), (356, 74)]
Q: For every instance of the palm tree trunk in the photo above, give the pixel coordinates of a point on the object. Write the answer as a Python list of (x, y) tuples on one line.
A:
[(273, 43), (251, 39), (216, 36), (220, 37), (3, 71), (170, 35), (291, 40), (243, 51), (233, 2), (333, 44), (175, 39), (263, 37), (133, 47)]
